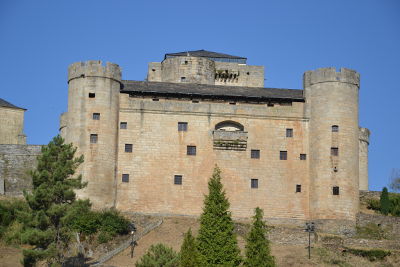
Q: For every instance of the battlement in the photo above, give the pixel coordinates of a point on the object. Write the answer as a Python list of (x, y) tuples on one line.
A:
[(323, 75), (94, 68), (364, 134)]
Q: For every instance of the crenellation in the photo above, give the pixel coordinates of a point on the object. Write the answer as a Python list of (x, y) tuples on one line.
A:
[(323, 75)]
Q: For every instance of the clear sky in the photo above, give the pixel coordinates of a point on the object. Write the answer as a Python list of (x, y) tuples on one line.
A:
[(39, 39)]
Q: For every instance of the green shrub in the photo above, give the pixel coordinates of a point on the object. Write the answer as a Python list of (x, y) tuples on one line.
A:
[(12, 234), (371, 255), (372, 231), (159, 256), (104, 237), (113, 222), (373, 204)]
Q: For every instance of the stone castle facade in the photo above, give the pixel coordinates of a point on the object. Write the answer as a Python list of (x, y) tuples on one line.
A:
[(150, 146)]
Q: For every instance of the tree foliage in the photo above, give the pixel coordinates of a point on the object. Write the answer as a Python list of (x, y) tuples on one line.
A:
[(159, 255), (385, 202), (216, 241), (51, 199), (395, 180), (189, 256), (258, 253)]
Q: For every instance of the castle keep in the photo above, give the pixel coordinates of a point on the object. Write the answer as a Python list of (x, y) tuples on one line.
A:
[(150, 146)]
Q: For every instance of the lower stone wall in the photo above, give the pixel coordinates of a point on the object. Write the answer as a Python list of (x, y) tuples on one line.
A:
[(16, 161)]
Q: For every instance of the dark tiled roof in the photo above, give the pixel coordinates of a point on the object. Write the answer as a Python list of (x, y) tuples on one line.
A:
[(6, 104), (257, 94), (202, 53)]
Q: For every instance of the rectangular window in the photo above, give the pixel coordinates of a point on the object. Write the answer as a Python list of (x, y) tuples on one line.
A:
[(303, 156), (335, 128), (128, 147), (255, 154), (182, 126), (289, 132), (298, 188), (156, 99), (92, 95), (283, 155), (178, 179), (96, 116), (254, 183), (125, 178), (335, 190), (183, 79), (334, 151), (93, 138), (123, 125), (191, 150)]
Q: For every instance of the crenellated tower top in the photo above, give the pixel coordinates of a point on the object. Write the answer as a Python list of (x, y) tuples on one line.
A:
[(323, 75), (94, 68)]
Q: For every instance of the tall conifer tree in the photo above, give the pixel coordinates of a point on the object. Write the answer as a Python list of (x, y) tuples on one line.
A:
[(385, 202), (258, 252), (51, 198), (189, 253), (216, 240)]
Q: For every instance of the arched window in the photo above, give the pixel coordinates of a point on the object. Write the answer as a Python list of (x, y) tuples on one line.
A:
[(229, 126), (335, 128)]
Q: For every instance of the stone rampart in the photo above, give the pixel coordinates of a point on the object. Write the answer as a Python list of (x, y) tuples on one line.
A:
[(16, 161)]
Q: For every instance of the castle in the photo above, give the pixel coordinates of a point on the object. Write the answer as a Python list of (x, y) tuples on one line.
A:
[(151, 146)]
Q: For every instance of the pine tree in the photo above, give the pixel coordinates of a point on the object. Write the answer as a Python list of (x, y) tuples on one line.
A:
[(258, 253), (51, 198), (189, 253), (385, 202), (216, 241), (159, 256)]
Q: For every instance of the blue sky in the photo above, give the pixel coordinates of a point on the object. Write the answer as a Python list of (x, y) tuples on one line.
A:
[(39, 39)]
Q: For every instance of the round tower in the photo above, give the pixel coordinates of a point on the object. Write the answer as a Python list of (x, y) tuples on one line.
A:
[(92, 126), (363, 158), (332, 107), (188, 70)]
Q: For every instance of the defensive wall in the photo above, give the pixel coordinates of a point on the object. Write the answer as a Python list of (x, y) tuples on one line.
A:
[(16, 162)]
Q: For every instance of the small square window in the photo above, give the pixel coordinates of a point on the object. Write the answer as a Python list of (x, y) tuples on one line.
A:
[(92, 95), (255, 154), (182, 126), (335, 128), (128, 147), (283, 155), (335, 190), (96, 116), (125, 178), (93, 138), (123, 125), (303, 156), (191, 150), (289, 132), (183, 79), (334, 151), (298, 188), (178, 179), (254, 183)]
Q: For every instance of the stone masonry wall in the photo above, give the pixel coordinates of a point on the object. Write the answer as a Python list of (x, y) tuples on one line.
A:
[(160, 152), (15, 163), (12, 126)]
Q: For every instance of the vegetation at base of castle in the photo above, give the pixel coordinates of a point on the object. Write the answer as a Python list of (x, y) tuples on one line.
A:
[(159, 255), (216, 241), (391, 201), (373, 231), (370, 254), (258, 252), (189, 256), (385, 202), (50, 215)]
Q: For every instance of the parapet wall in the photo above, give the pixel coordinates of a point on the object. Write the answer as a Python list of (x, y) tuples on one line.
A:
[(16, 161), (331, 75), (94, 68)]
